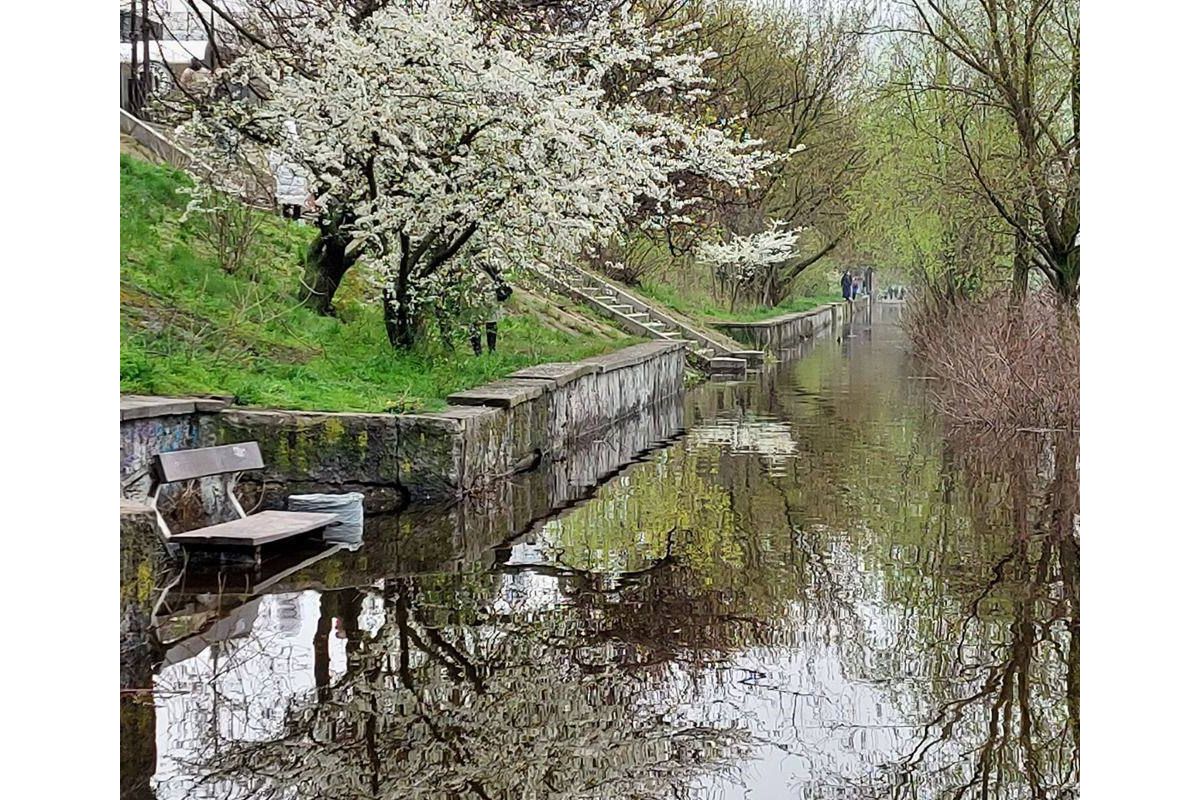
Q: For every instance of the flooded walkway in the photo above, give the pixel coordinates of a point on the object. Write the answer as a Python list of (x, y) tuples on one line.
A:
[(805, 589)]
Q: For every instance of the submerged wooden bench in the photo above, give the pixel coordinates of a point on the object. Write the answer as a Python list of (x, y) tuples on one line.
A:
[(229, 460)]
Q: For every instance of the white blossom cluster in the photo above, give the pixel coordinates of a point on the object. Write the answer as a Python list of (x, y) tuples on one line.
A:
[(438, 141), (743, 259)]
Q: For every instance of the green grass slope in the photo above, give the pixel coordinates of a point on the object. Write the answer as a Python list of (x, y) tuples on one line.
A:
[(189, 327)]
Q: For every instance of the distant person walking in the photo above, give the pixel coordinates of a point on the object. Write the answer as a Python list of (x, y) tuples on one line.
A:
[(491, 327), (855, 287), (847, 285), (291, 190)]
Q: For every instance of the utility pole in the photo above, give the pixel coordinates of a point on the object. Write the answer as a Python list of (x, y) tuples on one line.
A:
[(134, 104), (145, 53)]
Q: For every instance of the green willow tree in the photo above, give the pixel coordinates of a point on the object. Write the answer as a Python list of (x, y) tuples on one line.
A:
[(1022, 58), (919, 206)]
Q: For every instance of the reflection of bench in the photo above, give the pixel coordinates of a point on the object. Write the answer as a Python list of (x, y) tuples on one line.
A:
[(246, 531)]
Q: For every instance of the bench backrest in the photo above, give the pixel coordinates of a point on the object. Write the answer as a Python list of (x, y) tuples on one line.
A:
[(182, 465)]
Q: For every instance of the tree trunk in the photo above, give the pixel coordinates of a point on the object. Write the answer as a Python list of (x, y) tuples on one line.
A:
[(793, 272), (1068, 284), (324, 267), (1020, 271), (774, 293), (1022, 251), (397, 313)]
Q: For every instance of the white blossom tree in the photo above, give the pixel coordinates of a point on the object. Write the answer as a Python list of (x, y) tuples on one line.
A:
[(440, 148), (750, 264)]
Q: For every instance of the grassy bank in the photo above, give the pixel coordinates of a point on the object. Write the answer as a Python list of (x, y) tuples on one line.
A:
[(189, 327), (703, 308)]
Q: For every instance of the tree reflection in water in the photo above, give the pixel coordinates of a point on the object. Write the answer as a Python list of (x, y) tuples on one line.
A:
[(814, 594), (482, 686), (1015, 732)]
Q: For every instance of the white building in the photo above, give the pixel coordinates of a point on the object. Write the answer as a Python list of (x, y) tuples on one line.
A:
[(177, 35)]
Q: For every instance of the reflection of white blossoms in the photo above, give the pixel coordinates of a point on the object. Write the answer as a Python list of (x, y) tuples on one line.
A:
[(758, 437), (238, 688), (372, 616), (527, 593)]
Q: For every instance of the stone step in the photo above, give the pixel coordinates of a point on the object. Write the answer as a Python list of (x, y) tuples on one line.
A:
[(623, 308), (727, 366), (674, 334), (753, 358), (638, 317)]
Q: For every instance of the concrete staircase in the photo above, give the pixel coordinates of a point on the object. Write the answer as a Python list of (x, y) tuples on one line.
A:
[(711, 353)]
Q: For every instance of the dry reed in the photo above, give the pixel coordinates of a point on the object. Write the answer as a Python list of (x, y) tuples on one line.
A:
[(999, 365)]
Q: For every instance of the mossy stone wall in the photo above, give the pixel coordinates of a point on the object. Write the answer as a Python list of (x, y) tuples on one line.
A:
[(485, 435)]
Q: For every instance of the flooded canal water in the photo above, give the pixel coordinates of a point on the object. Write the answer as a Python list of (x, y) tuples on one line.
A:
[(801, 588)]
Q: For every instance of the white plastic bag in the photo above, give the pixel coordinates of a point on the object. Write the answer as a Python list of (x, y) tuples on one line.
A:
[(349, 510)]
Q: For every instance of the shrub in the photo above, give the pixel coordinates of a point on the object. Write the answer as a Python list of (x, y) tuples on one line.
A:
[(1000, 365)]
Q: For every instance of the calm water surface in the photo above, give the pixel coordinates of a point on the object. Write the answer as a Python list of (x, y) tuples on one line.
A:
[(806, 591)]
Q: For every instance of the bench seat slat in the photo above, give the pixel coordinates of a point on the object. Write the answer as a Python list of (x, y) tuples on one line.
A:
[(259, 529)]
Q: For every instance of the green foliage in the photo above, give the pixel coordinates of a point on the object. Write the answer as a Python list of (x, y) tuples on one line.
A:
[(788, 75), (188, 327), (919, 206)]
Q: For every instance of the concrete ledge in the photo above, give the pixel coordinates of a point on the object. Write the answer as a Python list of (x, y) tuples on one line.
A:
[(137, 406), (486, 434), (457, 417), (502, 394), (631, 356), (561, 373), (213, 402), (776, 321), (753, 358), (727, 366), (784, 330)]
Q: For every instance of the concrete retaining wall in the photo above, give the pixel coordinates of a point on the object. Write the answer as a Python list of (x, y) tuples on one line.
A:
[(158, 145), (486, 434), (778, 333)]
